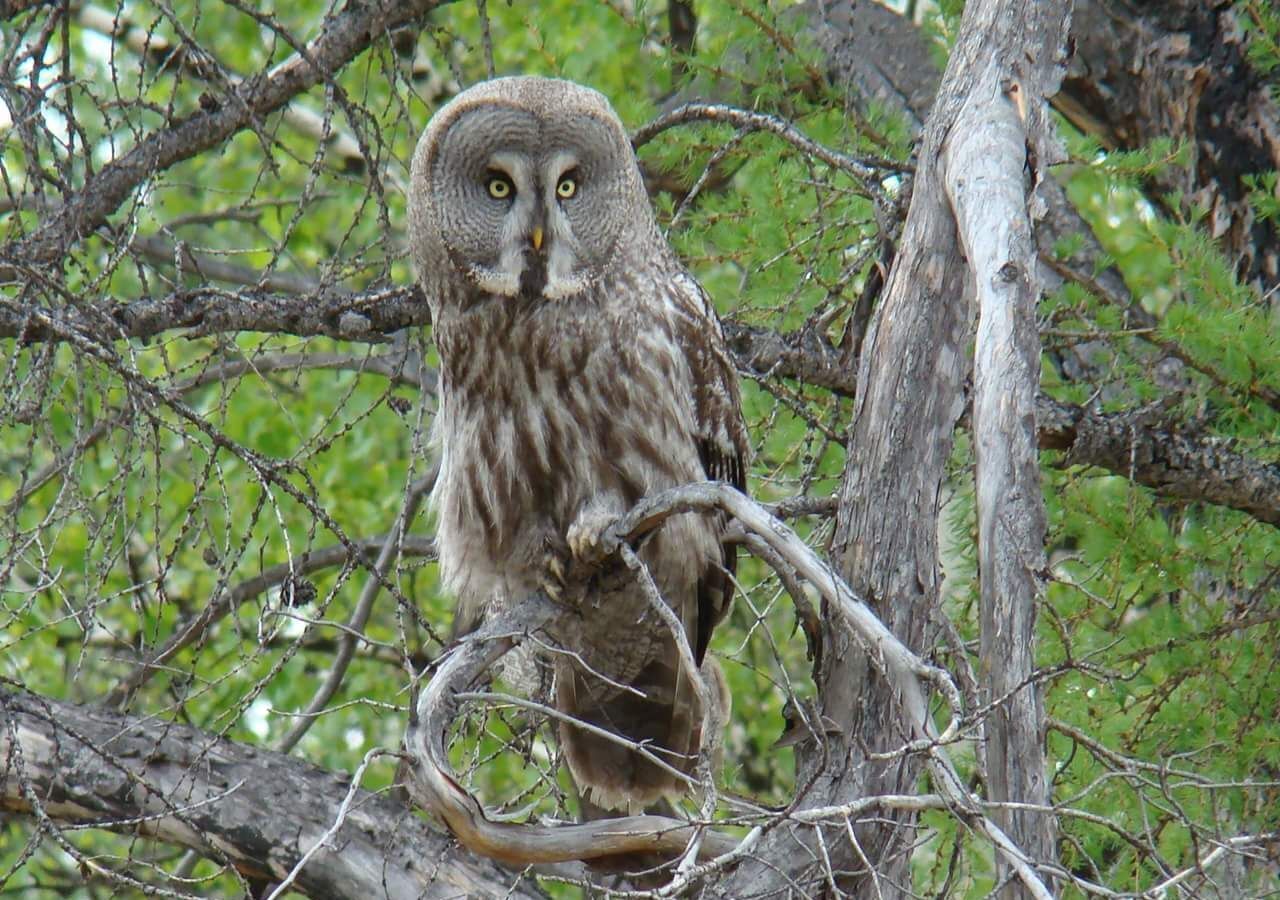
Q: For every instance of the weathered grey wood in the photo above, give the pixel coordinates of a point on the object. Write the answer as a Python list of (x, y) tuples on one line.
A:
[(909, 676), (432, 785), (986, 160), (908, 400), (259, 810)]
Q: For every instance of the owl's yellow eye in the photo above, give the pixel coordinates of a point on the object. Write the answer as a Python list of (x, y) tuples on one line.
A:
[(566, 188), (499, 187)]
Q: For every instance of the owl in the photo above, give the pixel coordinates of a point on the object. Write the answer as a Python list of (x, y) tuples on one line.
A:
[(581, 369)]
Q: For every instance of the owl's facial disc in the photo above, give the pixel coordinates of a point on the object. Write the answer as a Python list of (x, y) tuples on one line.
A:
[(527, 203), (539, 255)]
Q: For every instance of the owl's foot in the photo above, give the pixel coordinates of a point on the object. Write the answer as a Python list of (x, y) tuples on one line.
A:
[(586, 534), (553, 574)]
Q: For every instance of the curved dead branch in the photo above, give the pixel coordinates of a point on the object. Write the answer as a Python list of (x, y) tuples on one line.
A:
[(907, 671), (431, 783)]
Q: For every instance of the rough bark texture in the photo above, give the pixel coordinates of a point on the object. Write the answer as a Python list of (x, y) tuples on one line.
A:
[(909, 397), (258, 810), (877, 55), (1177, 69), (1171, 458), (1002, 132), (370, 315)]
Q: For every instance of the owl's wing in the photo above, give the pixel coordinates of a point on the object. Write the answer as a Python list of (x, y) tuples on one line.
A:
[(717, 402), (723, 443)]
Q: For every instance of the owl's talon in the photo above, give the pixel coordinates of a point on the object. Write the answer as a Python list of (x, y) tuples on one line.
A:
[(586, 534), (553, 581)]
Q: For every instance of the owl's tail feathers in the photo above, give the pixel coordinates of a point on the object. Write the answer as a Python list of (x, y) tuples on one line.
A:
[(667, 720)]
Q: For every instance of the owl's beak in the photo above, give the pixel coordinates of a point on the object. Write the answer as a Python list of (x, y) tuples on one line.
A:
[(535, 238)]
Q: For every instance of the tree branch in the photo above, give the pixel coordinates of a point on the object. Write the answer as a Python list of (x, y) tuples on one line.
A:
[(905, 671), (387, 555), (432, 785), (1170, 458), (156, 50), (187, 632), (867, 171), (1157, 454), (86, 766), (369, 315), (344, 36)]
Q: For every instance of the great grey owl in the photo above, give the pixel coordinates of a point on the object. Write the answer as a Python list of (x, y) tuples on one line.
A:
[(581, 368)]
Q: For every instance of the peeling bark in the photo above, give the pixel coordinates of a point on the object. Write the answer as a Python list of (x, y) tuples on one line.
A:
[(985, 159)]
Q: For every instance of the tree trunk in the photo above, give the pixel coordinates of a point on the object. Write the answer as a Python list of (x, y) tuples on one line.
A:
[(1146, 70), (909, 396), (985, 161)]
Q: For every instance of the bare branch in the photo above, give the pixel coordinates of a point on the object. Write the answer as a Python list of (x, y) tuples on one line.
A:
[(432, 785), (401, 368), (369, 315), (187, 633), (905, 670), (344, 36), (868, 170), (158, 250), (90, 767), (364, 605), (155, 49), (1170, 458)]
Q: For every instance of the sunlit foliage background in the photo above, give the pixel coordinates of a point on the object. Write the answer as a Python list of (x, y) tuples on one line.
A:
[(144, 482)]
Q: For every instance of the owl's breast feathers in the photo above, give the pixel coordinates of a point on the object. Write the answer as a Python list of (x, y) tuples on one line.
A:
[(549, 406)]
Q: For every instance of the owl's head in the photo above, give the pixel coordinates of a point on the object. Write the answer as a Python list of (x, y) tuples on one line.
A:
[(524, 187)]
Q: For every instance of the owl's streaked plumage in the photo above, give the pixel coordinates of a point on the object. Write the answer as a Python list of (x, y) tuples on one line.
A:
[(582, 368)]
